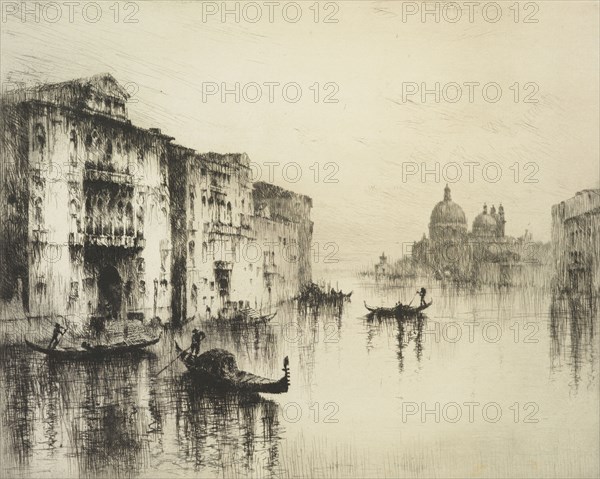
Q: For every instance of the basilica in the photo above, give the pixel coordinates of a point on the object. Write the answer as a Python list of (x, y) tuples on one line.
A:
[(484, 253)]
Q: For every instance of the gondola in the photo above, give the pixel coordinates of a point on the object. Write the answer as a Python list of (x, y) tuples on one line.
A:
[(402, 311), (251, 316), (247, 316), (93, 351), (217, 368)]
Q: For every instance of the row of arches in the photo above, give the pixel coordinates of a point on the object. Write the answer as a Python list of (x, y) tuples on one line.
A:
[(112, 217), (218, 209)]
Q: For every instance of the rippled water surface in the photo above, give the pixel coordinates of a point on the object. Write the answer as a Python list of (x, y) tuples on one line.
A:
[(489, 383)]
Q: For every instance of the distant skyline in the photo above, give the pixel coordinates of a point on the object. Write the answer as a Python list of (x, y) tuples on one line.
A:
[(368, 61)]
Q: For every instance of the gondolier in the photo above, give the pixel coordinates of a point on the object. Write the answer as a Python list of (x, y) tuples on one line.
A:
[(197, 337), (422, 292), (58, 331)]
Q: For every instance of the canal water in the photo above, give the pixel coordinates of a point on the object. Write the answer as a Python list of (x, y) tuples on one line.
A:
[(490, 383)]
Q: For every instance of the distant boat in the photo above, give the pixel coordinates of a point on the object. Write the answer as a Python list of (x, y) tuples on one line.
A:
[(399, 311), (247, 316), (218, 368), (93, 351)]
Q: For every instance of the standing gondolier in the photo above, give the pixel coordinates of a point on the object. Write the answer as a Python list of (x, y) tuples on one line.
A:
[(422, 292), (58, 331), (197, 337)]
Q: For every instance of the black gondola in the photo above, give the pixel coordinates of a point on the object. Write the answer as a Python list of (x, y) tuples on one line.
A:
[(398, 311), (217, 368), (93, 351)]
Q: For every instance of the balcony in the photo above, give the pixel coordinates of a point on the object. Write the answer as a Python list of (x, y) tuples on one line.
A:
[(223, 265), (39, 235), (76, 239), (115, 241), (122, 178), (221, 229), (269, 269), (214, 186)]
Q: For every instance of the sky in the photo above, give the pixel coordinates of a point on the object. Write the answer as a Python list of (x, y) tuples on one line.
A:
[(361, 134)]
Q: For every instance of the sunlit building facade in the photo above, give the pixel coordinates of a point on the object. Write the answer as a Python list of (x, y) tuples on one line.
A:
[(97, 220)]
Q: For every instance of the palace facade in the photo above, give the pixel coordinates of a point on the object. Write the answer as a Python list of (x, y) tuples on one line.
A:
[(100, 217)]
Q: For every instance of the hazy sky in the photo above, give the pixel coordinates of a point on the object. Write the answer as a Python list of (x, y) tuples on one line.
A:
[(370, 56)]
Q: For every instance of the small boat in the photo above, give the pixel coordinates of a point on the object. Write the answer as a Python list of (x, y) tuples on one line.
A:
[(88, 351), (218, 369), (246, 316), (399, 311)]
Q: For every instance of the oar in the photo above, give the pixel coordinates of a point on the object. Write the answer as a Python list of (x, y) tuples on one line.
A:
[(413, 299), (176, 358)]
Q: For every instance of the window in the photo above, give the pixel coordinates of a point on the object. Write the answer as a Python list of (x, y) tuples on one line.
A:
[(212, 288), (37, 212), (74, 293), (109, 150), (73, 147), (192, 252), (129, 219), (39, 137), (194, 294), (120, 225)]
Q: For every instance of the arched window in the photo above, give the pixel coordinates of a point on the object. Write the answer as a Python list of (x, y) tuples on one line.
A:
[(74, 208), (39, 138), (204, 252), (99, 215), (194, 294), (37, 212), (129, 218), (203, 201), (192, 197), (140, 219), (89, 222), (73, 147), (192, 252), (120, 223), (109, 150), (229, 217)]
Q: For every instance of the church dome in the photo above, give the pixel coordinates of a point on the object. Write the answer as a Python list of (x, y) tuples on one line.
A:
[(448, 221), (447, 212), (485, 224)]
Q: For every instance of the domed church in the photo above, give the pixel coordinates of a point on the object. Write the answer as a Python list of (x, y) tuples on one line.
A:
[(448, 220), (452, 249), (449, 223)]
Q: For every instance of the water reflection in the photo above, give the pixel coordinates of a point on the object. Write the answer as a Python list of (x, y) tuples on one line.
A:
[(572, 335), (118, 418), (406, 330)]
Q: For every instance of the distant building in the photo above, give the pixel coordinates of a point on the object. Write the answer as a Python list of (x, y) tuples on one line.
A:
[(103, 218), (483, 254), (381, 269), (576, 243)]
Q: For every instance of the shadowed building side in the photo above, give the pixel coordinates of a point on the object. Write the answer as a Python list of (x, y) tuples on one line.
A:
[(576, 244)]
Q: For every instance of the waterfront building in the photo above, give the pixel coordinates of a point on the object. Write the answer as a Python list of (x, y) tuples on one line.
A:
[(101, 218)]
